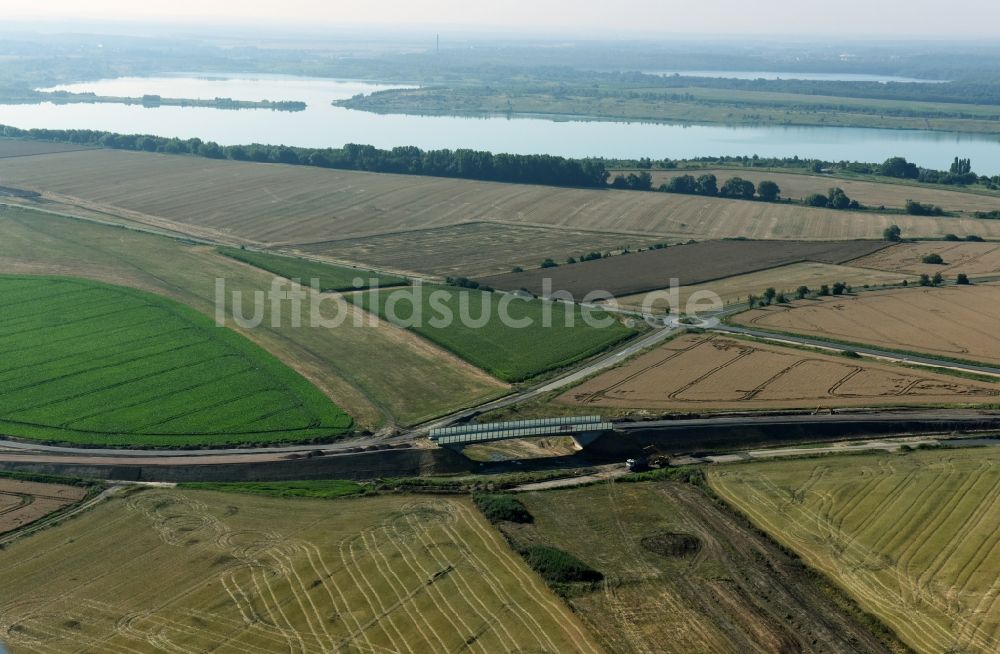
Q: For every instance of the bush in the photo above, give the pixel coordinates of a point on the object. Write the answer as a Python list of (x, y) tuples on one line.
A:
[(933, 258), (549, 263), (817, 200), (920, 209), (499, 507), (962, 279), (951, 237), (973, 238), (892, 233), (557, 566), (462, 282)]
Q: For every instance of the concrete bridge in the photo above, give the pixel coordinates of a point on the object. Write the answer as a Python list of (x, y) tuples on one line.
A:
[(582, 429)]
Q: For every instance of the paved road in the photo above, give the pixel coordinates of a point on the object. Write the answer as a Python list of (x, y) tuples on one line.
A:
[(942, 416), (610, 360), (867, 351)]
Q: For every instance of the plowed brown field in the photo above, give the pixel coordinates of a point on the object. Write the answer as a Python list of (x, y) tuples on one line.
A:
[(23, 502), (699, 372), (956, 322), (689, 264)]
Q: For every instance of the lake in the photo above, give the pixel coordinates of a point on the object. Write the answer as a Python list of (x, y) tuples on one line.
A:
[(770, 74), (323, 125)]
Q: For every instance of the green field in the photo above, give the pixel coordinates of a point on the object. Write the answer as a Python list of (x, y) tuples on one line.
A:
[(328, 276), (325, 489), (95, 364), (509, 353), (913, 538), (368, 371)]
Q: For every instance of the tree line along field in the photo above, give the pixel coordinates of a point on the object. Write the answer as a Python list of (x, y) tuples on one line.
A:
[(890, 194), (784, 279), (328, 277), (94, 364), (230, 573), (293, 206), (367, 370), (682, 575), (474, 249), (912, 538), (973, 259), (477, 333), (694, 372), (953, 322), (688, 264)]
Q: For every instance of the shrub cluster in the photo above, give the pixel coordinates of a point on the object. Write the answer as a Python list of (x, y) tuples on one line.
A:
[(499, 507)]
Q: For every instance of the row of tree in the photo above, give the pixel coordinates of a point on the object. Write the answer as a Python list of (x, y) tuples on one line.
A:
[(734, 187), (835, 198), (773, 296), (465, 164), (483, 165)]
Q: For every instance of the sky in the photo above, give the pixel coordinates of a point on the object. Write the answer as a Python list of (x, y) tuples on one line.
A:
[(843, 18)]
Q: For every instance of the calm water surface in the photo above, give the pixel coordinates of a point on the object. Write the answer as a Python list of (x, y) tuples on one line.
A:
[(323, 125)]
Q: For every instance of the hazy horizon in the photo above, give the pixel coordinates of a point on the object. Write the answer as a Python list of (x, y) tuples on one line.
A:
[(849, 19)]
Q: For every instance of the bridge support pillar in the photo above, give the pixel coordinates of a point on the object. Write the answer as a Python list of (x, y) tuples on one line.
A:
[(583, 439)]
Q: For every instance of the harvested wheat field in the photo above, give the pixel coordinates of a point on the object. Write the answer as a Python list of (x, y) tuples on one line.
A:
[(913, 538), (701, 372), (957, 322), (693, 263), (27, 148), (869, 193), (278, 205), (973, 259), (473, 249), (192, 571), (23, 502), (784, 279), (681, 574)]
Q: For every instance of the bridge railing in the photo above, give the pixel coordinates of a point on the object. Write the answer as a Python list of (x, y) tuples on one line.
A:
[(522, 432), (477, 428)]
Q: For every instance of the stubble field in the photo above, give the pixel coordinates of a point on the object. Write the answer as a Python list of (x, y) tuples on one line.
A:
[(912, 538), (784, 279), (268, 204), (956, 322), (26, 148), (871, 194), (682, 575), (474, 249), (697, 372), (23, 502), (973, 259), (196, 571)]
